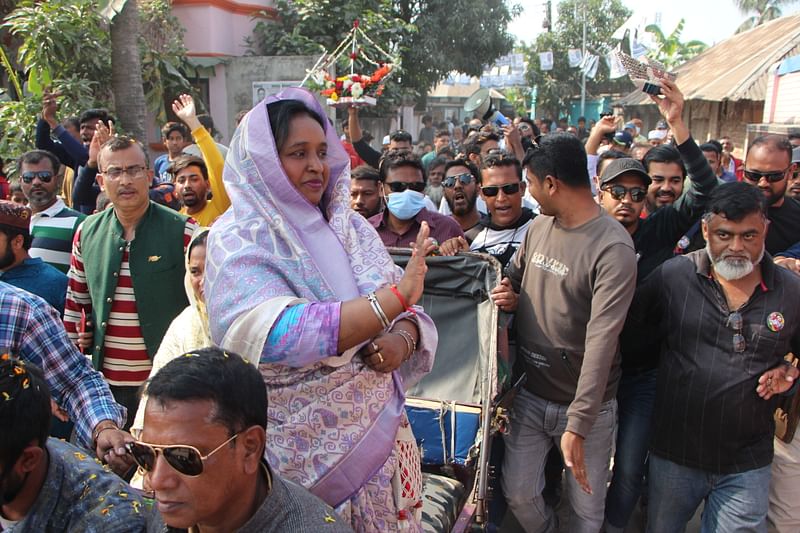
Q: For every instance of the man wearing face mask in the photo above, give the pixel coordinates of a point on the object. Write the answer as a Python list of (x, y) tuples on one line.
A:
[(403, 178)]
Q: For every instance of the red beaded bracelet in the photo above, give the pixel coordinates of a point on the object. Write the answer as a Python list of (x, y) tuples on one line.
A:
[(396, 292)]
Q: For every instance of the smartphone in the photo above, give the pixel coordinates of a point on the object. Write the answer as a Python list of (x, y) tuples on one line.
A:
[(651, 88)]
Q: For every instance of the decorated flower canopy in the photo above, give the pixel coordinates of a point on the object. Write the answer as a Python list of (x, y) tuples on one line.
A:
[(355, 88)]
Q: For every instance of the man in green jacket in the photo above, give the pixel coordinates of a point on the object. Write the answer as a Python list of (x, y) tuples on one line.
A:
[(127, 271)]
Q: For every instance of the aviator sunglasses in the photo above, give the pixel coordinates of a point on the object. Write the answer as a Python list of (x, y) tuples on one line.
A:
[(618, 192), (450, 181), (494, 190), (45, 176), (187, 460)]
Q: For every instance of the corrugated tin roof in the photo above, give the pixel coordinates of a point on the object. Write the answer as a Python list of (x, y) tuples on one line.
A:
[(737, 68)]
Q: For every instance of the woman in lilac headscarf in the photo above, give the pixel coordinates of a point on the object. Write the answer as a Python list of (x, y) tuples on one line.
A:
[(300, 284)]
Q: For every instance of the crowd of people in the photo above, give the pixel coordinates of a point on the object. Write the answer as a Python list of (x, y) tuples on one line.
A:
[(225, 329)]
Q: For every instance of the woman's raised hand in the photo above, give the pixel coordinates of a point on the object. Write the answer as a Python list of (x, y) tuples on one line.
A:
[(413, 282)]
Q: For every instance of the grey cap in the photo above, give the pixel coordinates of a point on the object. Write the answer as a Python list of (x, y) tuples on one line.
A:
[(796, 155), (621, 166)]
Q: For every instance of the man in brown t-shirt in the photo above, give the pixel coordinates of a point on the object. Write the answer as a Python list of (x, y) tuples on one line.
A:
[(570, 284)]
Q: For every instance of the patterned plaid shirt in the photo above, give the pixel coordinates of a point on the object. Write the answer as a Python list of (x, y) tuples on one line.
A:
[(32, 329)]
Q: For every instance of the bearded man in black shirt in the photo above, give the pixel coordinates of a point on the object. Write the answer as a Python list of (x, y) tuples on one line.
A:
[(725, 316)]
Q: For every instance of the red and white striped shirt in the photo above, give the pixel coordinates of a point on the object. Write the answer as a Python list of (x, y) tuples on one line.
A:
[(125, 358)]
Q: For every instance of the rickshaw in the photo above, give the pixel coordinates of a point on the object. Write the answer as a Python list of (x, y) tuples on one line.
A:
[(456, 410)]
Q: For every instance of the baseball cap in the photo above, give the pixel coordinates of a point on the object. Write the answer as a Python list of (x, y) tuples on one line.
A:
[(623, 138), (656, 135), (796, 155), (624, 165), (662, 125), (629, 126)]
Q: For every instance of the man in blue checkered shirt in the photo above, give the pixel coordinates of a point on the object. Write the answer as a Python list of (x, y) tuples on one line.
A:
[(32, 329)]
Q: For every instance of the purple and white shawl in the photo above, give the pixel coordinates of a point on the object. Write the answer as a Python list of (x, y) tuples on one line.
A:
[(332, 423)]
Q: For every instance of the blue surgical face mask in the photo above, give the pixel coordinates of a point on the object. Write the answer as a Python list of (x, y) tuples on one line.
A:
[(405, 205)]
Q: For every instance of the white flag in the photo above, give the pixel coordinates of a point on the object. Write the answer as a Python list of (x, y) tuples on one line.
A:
[(590, 65), (615, 66), (575, 57), (546, 60)]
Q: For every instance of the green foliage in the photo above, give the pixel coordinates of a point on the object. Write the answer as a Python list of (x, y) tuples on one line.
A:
[(765, 10), (671, 51), (519, 98), (64, 46), (64, 37), (555, 88), (431, 37)]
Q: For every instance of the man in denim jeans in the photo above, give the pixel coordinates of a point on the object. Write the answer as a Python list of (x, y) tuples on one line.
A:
[(570, 283), (725, 317)]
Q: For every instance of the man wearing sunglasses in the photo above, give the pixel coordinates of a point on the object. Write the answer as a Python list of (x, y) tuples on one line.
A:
[(203, 453), (53, 224), (502, 188), (403, 179), (625, 185), (768, 166), (47, 484), (724, 318), (461, 194)]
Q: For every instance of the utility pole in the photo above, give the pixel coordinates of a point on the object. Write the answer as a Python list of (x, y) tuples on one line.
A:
[(548, 18), (583, 70)]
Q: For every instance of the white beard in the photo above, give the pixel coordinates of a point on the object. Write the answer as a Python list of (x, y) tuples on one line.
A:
[(435, 193), (732, 269)]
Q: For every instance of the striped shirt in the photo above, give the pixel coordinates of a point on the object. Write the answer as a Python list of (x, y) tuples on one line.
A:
[(53, 231), (125, 359)]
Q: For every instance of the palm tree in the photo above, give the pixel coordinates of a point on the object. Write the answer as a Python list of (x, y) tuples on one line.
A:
[(671, 52), (126, 65), (765, 10)]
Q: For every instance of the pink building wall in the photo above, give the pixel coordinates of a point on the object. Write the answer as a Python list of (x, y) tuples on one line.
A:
[(217, 29)]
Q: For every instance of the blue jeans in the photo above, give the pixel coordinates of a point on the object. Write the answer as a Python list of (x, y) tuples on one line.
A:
[(537, 425), (734, 503), (636, 397)]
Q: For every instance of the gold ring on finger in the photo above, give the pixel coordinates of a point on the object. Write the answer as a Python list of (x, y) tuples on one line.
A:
[(380, 357)]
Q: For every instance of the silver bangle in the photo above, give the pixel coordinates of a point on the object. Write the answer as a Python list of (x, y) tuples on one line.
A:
[(378, 310)]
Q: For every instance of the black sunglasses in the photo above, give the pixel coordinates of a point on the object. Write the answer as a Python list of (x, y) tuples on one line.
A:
[(618, 192), (399, 186), (493, 190), (772, 177), (187, 460), (736, 323), (450, 181), (45, 176)]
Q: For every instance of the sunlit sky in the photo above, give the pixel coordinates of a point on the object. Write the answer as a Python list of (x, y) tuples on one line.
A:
[(710, 21)]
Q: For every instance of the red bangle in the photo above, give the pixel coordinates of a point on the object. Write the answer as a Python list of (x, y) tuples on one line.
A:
[(396, 292)]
